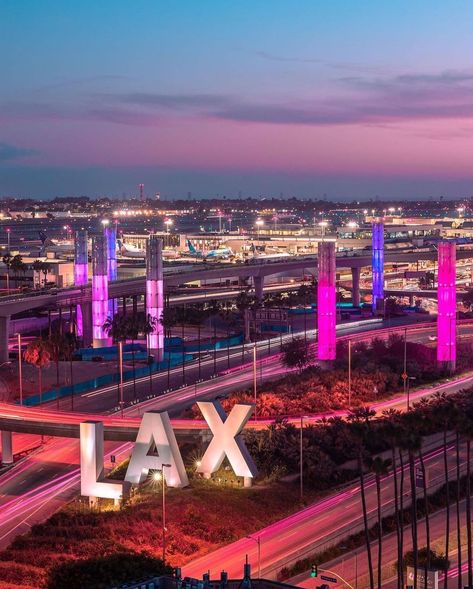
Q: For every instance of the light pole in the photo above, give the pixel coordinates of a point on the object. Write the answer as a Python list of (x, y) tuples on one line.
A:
[(20, 369), (159, 475), (254, 376), (120, 357), (323, 225), (258, 542), (259, 223), (168, 223), (409, 378), (301, 456), (404, 374), (8, 240)]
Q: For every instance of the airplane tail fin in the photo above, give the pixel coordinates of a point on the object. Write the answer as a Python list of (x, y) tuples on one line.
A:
[(191, 247)]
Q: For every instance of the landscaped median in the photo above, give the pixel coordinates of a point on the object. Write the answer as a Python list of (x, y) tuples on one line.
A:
[(208, 515)]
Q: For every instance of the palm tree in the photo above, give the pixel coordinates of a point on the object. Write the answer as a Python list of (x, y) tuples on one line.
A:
[(411, 442), (38, 354), (467, 430), (116, 329), (18, 266), (244, 302), (446, 417), (7, 260), (214, 310), (148, 325), (391, 430), (69, 349), (360, 432), (379, 467)]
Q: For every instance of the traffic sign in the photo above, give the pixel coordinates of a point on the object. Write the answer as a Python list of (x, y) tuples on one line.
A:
[(404, 376), (329, 579)]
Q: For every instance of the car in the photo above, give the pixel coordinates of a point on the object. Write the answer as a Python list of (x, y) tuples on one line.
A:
[(433, 338)]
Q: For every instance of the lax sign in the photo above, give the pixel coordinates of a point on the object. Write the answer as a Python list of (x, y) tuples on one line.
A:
[(156, 446)]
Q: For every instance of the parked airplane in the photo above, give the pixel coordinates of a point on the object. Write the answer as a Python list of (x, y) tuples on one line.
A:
[(131, 251), (221, 253)]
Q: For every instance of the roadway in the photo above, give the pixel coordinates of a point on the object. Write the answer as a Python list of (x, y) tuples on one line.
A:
[(351, 568), (107, 398), (311, 530), (48, 478)]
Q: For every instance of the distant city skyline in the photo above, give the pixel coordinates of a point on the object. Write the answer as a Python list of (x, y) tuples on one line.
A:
[(341, 99)]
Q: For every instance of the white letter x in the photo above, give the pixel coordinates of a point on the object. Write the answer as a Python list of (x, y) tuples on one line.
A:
[(227, 439)]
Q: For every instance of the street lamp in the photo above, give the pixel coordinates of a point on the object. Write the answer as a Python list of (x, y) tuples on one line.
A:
[(8, 240), (105, 222), (301, 457), (259, 223), (160, 476), (409, 378), (323, 225), (258, 542), (168, 223), (349, 374)]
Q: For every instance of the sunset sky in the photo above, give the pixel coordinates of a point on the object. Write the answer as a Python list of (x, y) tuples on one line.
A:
[(351, 99)]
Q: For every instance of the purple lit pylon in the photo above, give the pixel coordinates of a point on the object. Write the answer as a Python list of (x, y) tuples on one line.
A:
[(110, 234), (99, 292), (447, 305), (377, 263), (154, 294), (81, 271), (326, 301)]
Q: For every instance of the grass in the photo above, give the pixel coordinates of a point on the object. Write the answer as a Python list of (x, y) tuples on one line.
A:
[(199, 519)]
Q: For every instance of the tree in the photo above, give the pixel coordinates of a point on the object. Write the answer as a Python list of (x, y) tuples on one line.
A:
[(446, 415), (411, 442), (392, 431), (18, 266), (295, 354), (111, 570), (38, 354), (360, 431), (7, 260), (41, 267), (379, 467), (467, 431)]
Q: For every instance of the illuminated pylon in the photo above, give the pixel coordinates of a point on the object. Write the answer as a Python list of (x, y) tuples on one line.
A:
[(447, 305), (326, 301), (99, 292), (110, 235), (81, 270), (154, 294), (378, 264)]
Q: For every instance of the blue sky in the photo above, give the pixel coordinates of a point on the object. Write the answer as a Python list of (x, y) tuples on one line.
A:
[(346, 98)]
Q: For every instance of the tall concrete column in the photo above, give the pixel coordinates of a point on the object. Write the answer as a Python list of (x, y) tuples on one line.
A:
[(378, 265), (355, 279), (447, 305), (81, 271), (99, 292), (110, 236), (86, 314), (4, 329), (155, 294), (258, 282), (7, 448), (326, 301)]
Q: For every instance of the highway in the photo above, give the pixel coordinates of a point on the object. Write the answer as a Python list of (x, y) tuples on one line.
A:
[(312, 529), (107, 399), (352, 568), (45, 480)]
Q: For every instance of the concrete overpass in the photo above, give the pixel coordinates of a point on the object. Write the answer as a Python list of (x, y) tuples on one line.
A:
[(70, 297)]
